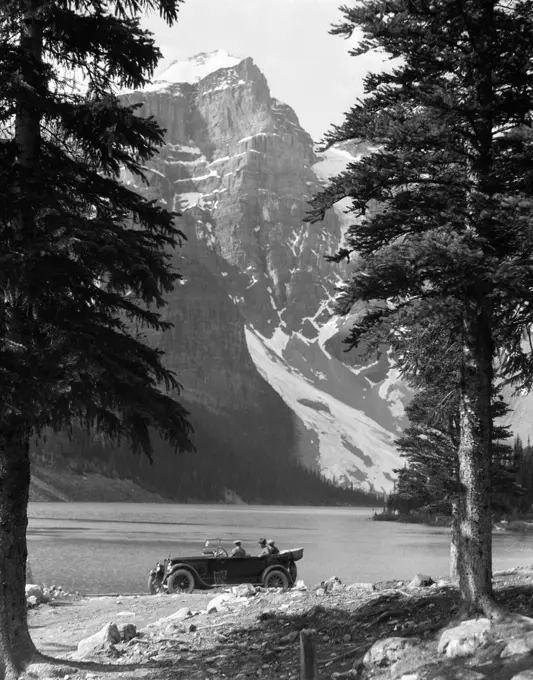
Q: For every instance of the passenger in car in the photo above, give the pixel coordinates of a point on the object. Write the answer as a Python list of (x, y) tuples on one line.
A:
[(238, 550), (265, 550), (272, 547)]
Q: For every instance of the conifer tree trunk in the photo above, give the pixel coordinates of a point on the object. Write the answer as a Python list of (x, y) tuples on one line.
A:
[(28, 116), (16, 646), (475, 526), (454, 542)]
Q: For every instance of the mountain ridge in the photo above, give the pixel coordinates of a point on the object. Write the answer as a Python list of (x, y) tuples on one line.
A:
[(254, 342), (240, 168)]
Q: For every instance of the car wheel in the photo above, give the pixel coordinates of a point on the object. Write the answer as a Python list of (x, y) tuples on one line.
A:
[(180, 581), (154, 584), (276, 579), (293, 571)]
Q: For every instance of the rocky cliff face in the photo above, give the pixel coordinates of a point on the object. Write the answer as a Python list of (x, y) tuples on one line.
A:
[(253, 330)]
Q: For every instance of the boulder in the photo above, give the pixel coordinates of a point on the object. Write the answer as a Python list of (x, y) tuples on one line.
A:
[(299, 585), (361, 586), (331, 584), (33, 590), (523, 675), (463, 640), (218, 603), (127, 631), (102, 641), (519, 645), (32, 602), (244, 590), (421, 581), (180, 615), (389, 650)]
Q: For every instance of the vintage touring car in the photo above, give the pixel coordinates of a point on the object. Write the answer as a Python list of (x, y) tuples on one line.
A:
[(214, 567)]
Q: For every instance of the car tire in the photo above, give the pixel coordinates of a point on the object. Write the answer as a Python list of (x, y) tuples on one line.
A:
[(180, 581), (154, 585), (276, 578), (293, 571)]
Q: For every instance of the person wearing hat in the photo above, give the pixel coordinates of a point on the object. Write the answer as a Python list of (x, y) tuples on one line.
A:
[(238, 550), (272, 547), (265, 551)]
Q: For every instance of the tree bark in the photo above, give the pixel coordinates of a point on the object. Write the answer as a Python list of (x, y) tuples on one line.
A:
[(28, 115), (475, 455), (16, 646), (454, 543)]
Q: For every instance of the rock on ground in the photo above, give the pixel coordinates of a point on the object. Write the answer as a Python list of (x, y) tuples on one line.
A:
[(463, 640), (101, 641), (332, 584), (421, 581), (218, 603), (127, 631), (244, 590), (361, 586), (33, 590), (389, 650), (519, 645)]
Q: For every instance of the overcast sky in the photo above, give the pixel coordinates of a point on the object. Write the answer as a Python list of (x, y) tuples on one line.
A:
[(288, 40)]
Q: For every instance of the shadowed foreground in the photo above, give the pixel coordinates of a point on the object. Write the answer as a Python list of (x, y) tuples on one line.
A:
[(258, 636)]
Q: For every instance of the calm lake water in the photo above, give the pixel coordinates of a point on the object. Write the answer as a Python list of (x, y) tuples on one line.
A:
[(110, 547)]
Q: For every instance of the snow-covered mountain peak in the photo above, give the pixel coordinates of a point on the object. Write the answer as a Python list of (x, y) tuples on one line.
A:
[(199, 66)]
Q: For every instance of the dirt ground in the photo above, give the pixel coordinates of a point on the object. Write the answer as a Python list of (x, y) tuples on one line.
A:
[(259, 639), (56, 628)]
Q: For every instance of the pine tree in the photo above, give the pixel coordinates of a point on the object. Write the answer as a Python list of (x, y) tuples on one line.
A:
[(452, 173), (84, 261), (428, 356)]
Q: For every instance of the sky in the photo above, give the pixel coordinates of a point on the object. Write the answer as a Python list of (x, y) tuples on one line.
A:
[(305, 66)]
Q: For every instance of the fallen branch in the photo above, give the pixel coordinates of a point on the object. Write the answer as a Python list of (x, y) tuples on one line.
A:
[(344, 655)]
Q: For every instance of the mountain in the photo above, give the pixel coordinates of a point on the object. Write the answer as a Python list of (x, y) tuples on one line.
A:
[(253, 330), (254, 344)]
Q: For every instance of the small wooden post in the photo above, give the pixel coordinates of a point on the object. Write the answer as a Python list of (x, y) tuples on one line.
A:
[(308, 664)]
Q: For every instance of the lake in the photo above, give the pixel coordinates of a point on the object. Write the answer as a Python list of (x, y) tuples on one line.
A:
[(110, 547)]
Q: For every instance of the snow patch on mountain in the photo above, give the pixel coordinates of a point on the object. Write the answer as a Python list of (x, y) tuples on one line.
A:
[(353, 447), (197, 67)]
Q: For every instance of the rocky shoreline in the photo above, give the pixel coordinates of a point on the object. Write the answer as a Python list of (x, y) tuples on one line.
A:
[(515, 525), (391, 630)]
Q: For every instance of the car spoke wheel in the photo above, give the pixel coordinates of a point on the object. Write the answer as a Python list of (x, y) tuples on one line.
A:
[(180, 581), (154, 584), (276, 579)]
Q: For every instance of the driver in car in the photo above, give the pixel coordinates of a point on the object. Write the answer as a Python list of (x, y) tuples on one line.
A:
[(238, 550)]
